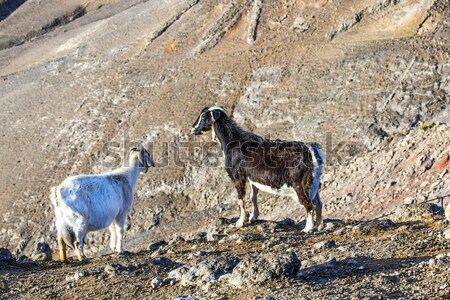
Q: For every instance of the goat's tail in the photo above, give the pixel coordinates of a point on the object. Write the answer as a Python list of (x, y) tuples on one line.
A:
[(317, 153), (54, 196), (63, 228), (317, 160)]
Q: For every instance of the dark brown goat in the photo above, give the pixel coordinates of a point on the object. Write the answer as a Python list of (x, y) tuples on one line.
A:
[(273, 166)]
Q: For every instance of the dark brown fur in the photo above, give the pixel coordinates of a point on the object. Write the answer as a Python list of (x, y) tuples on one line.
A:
[(269, 162), (272, 163)]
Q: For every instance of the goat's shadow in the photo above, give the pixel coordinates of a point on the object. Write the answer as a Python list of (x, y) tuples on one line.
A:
[(16, 267)]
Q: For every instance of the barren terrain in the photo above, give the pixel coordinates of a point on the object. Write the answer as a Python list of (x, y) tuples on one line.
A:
[(82, 81), (349, 260)]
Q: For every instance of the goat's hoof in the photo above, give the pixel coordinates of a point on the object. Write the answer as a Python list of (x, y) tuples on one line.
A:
[(240, 224), (253, 219), (65, 261), (307, 230)]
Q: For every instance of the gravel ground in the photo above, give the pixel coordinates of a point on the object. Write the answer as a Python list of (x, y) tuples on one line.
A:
[(358, 76), (349, 260)]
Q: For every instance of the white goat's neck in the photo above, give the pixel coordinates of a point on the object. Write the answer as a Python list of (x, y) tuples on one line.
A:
[(132, 172)]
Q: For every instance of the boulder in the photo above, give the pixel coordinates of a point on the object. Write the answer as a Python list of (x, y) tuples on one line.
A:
[(42, 252), (20, 247), (373, 225), (265, 267), (25, 260), (416, 212), (325, 244), (6, 256), (440, 260), (319, 268), (157, 245), (177, 240), (330, 226), (156, 282), (319, 262), (211, 234), (76, 275), (206, 271), (446, 234), (112, 269), (238, 238)]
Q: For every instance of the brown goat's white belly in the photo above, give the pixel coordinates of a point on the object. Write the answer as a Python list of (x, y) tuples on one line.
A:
[(283, 190)]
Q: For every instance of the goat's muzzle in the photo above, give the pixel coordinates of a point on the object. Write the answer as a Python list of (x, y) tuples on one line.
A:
[(152, 163), (195, 131)]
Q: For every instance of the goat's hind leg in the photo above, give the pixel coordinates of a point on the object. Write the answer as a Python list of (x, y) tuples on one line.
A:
[(254, 197), (62, 248), (307, 203), (79, 250), (318, 212), (80, 232)]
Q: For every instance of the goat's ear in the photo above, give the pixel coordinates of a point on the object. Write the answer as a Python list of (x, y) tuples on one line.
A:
[(142, 155), (215, 114)]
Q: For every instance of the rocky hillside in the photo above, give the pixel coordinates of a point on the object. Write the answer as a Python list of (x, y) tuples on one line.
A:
[(81, 81), (378, 259)]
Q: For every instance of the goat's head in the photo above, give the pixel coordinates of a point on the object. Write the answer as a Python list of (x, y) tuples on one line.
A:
[(144, 158), (206, 118)]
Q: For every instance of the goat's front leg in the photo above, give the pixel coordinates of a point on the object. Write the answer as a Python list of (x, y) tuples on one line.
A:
[(113, 241), (309, 221), (240, 187), (119, 225), (254, 196)]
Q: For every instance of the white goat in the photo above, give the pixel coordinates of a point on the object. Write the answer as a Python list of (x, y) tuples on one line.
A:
[(91, 202)]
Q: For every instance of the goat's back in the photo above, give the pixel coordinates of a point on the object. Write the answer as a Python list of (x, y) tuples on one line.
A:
[(272, 162), (274, 154), (98, 199)]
